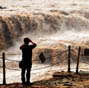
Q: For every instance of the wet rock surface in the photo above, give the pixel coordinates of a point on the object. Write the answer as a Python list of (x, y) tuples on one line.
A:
[(70, 80)]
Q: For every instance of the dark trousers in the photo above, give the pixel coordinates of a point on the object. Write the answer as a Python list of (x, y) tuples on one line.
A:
[(25, 73)]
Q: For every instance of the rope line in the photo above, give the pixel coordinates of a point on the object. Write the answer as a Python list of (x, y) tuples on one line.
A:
[(37, 68), (16, 60), (21, 54), (61, 53), (12, 60), (32, 69), (1, 66), (13, 54), (37, 60), (13, 69)]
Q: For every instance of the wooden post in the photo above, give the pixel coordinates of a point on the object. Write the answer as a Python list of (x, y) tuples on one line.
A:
[(69, 47), (4, 73), (77, 67)]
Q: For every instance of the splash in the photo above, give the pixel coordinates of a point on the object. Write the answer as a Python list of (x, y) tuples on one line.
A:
[(54, 26)]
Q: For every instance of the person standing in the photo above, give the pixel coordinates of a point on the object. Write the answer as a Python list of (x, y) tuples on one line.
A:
[(26, 62)]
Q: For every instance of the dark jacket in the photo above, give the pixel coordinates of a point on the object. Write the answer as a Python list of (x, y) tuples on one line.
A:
[(27, 54)]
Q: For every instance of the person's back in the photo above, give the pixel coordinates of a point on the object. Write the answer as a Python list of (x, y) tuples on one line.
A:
[(27, 58), (27, 54)]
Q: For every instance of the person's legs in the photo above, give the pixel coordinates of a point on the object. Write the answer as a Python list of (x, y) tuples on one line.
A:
[(28, 75), (23, 75)]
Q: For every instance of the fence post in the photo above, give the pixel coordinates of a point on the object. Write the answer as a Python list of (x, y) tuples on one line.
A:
[(69, 47), (77, 67), (4, 73)]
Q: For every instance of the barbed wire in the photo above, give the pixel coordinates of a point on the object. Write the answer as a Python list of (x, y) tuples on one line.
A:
[(34, 60), (1, 66), (13, 69), (36, 68), (13, 54), (73, 53), (10, 60), (31, 70), (39, 60), (85, 62), (20, 54)]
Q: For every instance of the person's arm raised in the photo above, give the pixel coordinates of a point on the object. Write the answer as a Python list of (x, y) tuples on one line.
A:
[(33, 44)]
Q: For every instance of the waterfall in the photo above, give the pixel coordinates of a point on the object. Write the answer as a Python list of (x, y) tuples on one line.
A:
[(14, 26)]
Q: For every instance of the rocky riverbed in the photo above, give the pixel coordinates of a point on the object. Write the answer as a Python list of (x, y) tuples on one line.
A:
[(59, 80)]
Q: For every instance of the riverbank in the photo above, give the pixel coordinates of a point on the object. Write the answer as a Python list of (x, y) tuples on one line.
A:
[(59, 80)]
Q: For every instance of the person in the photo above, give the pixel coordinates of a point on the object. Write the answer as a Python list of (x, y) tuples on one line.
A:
[(27, 60)]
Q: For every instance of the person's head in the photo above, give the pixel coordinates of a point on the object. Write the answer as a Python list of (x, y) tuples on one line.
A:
[(26, 40)]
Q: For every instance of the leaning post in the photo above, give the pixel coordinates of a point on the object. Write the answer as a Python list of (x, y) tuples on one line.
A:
[(4, 72), (77, 67), (69, 48)]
